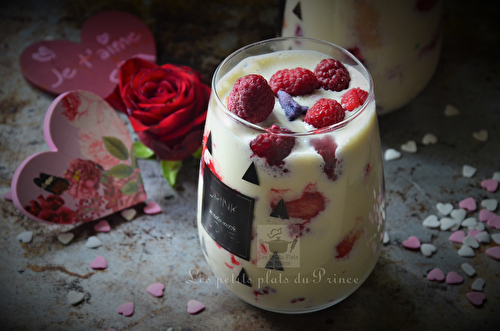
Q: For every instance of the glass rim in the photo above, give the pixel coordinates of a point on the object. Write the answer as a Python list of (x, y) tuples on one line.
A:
[(333, 127)]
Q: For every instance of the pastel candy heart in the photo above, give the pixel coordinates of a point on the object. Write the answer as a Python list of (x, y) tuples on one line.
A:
[(410, 147), (457, 237), (468, 269), (152, 208), (128, 214), (466, 251), (391, 154), (496, 175), (479, 227), (494, 222), (98, 263), (155, 289), (75, 297), (470, 241), (494, 252), (25, 236), (476, 298), (485, 215), (88, 142), (496, 238), (490, 185), (481, 135), (458, 214), (447, 223), (126, 309), (412, 243), (194, 306), (478, 284), (483, 237), (107, 39), (468, 204), (490, 204), (443, 208), (386, 238), (427, 249), (469, 222), (436, 275), (102, 226), (451, 110), (65, 237), (453, 278), (93, 242), (431, 222), (429, 139), (468, 171), (7, 196)]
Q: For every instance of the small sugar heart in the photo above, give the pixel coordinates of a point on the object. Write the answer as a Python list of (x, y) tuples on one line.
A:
[(494, 222), (7, 196), (489, 204), (496, 238), (451, 110), (386, 238), (391, 154), (152, 208), (431, 222), (443, 208), (466, 251), (469, 222), (478, 285), (194, 306), (65, 237), (429, 139), (412, 243), (483, 237), (490, 185), (496, 175), (494, 252), (436, 275), (156, 289), (468, 269), (481, 135), (457, 237), (453, 278), (473, 233), (410, 147), (75, 297), (485, 215), (458, 214), (128, 214), (476, 298), (468, 171), (93, 242), (126, 309), (99, 263), (25, 236), (470, 241), (447, 223), (468, 204), (479, 227), (427, 249), (102, 226)]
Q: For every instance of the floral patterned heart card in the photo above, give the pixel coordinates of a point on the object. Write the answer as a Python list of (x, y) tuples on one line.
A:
[(90, 170), (107, 39)]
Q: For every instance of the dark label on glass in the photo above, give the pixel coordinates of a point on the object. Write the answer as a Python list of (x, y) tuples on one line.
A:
[(227, 215)]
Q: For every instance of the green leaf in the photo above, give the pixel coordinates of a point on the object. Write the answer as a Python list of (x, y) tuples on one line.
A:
[(130, 188), (142, 151), (121, 171), (197, 154), (170, 169), (115, 147)]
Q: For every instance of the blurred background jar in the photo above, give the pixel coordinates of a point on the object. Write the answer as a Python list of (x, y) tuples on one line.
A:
[(399, 41)]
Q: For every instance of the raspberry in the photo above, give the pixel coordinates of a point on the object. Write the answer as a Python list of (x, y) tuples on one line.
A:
[(273, 147), (251, 98), (353, 98), (297, 81), (332, 75), (326, 147), (324, 112)]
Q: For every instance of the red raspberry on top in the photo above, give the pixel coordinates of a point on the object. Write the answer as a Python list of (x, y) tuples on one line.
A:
[(353, 98), (324, 112), (297, 81), (251, 98), (273, 147), (332, 75)]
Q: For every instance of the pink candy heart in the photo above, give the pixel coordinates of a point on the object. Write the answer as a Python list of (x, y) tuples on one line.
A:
[(194, 306), (468, 204), (7, 196), (473, 233), (485, 215), (99, 263), (453, 278), (152, 208), (102, 226), (494, 222), (457, 237), (155, 289), (476, 298), (490, 185), (494, 252), (126, 309), (436, 275), (412, 243)]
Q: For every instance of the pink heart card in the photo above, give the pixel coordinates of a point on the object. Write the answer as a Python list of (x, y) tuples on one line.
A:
[(107, 40), (90, 170)]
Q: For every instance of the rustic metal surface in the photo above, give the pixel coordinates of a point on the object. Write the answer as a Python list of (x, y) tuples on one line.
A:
[(36, 277)]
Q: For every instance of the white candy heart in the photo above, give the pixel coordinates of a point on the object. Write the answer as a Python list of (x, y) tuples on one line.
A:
[(496, 175), (128, 214), (427, 249), (468, 269), (470, 241), (447, 223), (451, 110), (93, 242), (481, 135), (75, 297), (386, 238), (444, 209), (483, 237), (431, 222), (455, 227), (391, 154), (490, 204), (25, 236), (429, 138), (469, 222), (468, 171), (479, 227), (458, 214), (478, 285), (466, 251), (410, 147), (496, 237), (66, 237)]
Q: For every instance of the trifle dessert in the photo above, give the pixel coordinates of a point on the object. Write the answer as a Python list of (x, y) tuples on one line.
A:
[(398, 41), (291, 192)]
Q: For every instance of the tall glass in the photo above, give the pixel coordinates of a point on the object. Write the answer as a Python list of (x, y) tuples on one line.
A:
[(302, 235)]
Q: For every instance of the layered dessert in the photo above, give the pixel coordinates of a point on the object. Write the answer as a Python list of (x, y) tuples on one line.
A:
[(398, 41), (291, 199)]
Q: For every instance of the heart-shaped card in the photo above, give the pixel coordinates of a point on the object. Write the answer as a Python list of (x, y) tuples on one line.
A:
[(107, 39), (89, 172)]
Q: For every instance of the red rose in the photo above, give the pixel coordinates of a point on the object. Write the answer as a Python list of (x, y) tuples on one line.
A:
[(166, 105), (51, 209)]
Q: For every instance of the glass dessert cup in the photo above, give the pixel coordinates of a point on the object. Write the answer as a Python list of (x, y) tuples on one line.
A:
[(302, 235)]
